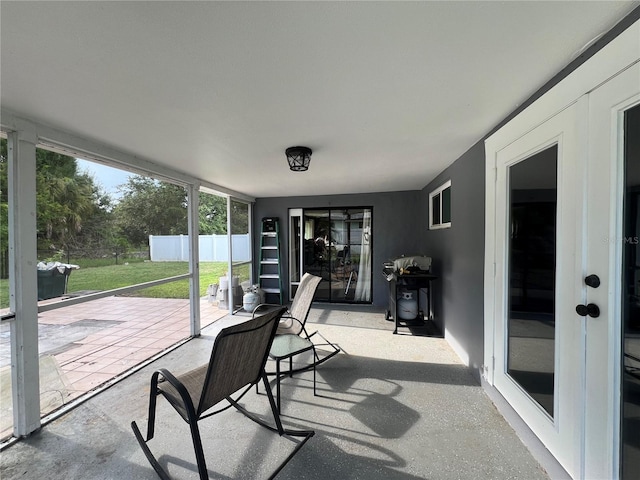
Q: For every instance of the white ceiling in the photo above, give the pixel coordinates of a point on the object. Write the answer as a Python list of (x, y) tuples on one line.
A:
[(387, 94)]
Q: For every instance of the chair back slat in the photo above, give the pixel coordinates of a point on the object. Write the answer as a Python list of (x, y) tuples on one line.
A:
[(304, 296), (238, 358)]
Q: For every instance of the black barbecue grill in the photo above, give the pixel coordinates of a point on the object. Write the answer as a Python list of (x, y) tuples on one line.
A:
[(405, 274)]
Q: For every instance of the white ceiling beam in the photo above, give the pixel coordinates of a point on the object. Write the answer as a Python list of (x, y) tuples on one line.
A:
[(76, 146)]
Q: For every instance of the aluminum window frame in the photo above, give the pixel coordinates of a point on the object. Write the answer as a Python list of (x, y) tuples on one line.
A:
[(438, 193)]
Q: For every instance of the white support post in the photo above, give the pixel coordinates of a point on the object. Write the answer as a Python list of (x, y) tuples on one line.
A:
[(230, 259), (194, 258), (250, 232), (23, 286)]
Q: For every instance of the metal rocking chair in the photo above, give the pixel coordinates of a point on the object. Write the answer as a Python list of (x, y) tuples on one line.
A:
[(237, 362), (294, 320)]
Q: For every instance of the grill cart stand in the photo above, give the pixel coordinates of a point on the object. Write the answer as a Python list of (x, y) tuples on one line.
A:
[(413, 281)]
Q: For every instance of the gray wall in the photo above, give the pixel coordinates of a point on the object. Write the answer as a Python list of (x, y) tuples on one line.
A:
[(395, 226), (458, 255), (401, 226)]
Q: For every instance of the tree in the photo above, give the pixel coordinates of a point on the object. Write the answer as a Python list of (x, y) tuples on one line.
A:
[(239, 218), (98, 230), (65, 199), (212, 214), (150, 207)]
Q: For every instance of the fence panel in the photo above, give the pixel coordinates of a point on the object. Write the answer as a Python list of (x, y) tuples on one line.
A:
[(213, 248)]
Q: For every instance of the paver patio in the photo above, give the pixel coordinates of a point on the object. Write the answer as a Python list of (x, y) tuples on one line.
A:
[(86, 345)]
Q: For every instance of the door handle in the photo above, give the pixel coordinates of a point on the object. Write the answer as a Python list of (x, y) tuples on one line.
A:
[(592, 281), (592, 310)]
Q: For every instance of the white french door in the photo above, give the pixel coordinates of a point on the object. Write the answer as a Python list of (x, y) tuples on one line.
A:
[(613, 174), (539, 338), (557, 288)]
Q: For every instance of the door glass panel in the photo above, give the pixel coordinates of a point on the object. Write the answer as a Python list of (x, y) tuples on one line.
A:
[(340, 253), (631, 299), (6, 398), (317, 257), (295, 250), (346, 228), (214, 255), (337, 247), (240, 252), (532, 270)]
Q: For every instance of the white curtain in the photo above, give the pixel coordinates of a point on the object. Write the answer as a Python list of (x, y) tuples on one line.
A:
[(363, 288)]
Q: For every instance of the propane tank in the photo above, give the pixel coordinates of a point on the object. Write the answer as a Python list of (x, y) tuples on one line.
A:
[(407, 306), (250, 301)]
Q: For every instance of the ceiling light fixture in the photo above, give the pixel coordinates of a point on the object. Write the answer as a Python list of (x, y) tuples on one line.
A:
[(298, 158)]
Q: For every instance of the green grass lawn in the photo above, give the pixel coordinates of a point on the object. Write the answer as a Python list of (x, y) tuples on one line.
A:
[(116, 276)]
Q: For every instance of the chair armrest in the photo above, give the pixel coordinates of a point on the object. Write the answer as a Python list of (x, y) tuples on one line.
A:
[(187, 402), (286, 318), (264, 305), (288, 325)]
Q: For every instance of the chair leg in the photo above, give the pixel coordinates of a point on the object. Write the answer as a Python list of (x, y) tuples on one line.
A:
[(336, 349), (197, 445), (305, 434), (193, 424), (275, 407), (147, 453), (274, 411), (314, 374), (278, 386), (153, 396)]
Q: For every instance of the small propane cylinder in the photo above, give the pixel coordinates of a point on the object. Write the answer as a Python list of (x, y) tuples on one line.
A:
[(407, 307), (250, 301)]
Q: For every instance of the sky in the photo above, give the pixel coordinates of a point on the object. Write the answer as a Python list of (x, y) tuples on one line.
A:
[(109, 178)]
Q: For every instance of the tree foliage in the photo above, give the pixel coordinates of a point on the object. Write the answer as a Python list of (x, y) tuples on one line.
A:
[(239, 218), (67, 202), (98, 230), (150, 207), (212, 214), (65, 199)]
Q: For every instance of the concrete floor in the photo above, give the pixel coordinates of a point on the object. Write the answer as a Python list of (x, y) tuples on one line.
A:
[(389, 407)]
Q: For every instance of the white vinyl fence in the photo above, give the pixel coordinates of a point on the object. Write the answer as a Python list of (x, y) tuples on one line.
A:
[(213, 248)]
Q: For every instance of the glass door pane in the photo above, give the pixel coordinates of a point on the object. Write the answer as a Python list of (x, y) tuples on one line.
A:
[(631, 299), (532, 272), (240, 252), (214, 254), (6, 398), (337, 247), (351, 259), (295, 250), (317, 251), (340, 251)]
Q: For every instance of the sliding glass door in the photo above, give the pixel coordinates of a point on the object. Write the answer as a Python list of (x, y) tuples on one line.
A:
[(336, 245)]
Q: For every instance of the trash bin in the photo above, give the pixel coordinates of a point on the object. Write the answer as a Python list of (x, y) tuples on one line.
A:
[(52, 279)]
